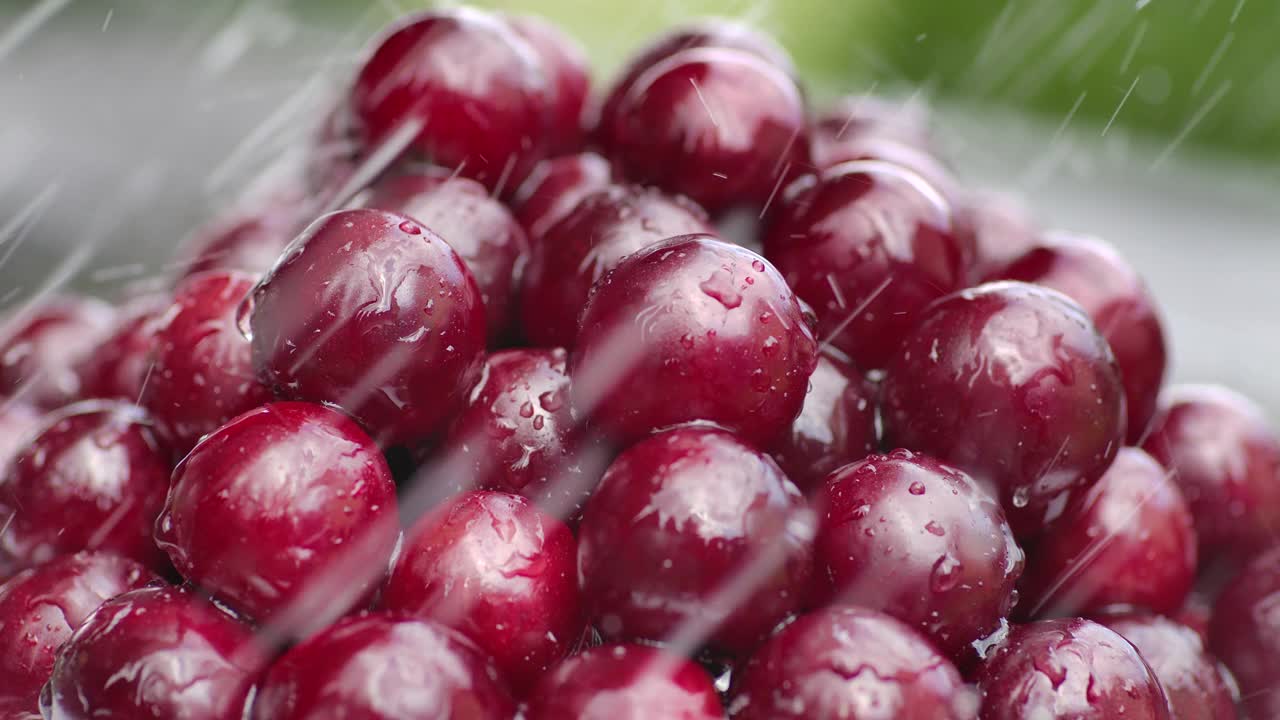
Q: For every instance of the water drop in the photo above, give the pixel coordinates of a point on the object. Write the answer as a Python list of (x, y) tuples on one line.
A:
[(916, 488), (945, 575), (934, 528), (757, 265), (1021, 497), (526, 409), (719, 286), (410, 227)]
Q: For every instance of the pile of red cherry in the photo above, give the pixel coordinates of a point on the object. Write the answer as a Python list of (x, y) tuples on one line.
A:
[(522, 430)]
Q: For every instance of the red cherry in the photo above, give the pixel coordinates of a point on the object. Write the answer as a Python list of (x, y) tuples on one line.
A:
[(849, 662), (489, 122), (1195, 683), (202, 376), (854, 118), (18, 424), (247, 239), (41, 343), (377, 667), (625, 682), (123, 361), (500, 571), (375, 314), (1245, 633), (287, 513), (568, 69), (868, 245), (93, 478), (554, 188), (679, 523), (995, 229), (1013, 384), (709, 323)]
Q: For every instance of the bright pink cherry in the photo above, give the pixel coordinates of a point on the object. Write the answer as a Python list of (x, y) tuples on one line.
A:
[(572, 256), (374, 313), (490, 122), (41, 343), (378, 667), (287, 514), (678, 523), (1193, 680), (93, 478), (1013, 384), (500, 571), (693, 329), (202, 376)]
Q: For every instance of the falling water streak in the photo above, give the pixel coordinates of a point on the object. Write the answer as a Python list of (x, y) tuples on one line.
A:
[(1123, 100), (1198, 13), (786, 170), (107, 21), (1195, 120), (1132, 50), (1066, 121), (997, 28), (853, 111), (387, 152), (18, 228), (856, 312), (703, 100), (1094, 28), (28, 23), (503, 178), (1236, 12), (1030, 31), (1214, 59)]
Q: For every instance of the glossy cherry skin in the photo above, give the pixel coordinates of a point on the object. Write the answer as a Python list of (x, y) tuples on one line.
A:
[(202, 374), (480, 229), (849, 662), (1192, 679), (155, 652), (376, 314), (247, 239), (1094, 274), (1225, 457), (836, 426), (1070, 668), (1013, 384), (906, 535), (869, 245), (895, 152), (93, 478), (121, 363), (1245, 633), (1128, 541), (381, 667), (720, 125), (605, 227), (41, 343), (706, 33), (710, 323), (287, 513), (675, 521), (500, 571), (554, 188), (41, 607), (490, 123), (517, 433), (625, 682), (996, 230), (569, 71), (18, 424), (853, 118)]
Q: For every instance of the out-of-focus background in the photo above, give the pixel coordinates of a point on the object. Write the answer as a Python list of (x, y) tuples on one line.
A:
[(1152, 123)]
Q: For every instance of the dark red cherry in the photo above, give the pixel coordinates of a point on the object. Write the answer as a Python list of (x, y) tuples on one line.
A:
[(379, 667), (1192, 679), (568, 69), (500, 571), (605, 227), (247, 239), (489, 122), (1094, 274), (93, 478), (121, 363), (895, 152), (202, 376), (155, 652), (1245, 633), (517, 433), (836, 426), (720, 125), (996, 229), (1069, 668), (853, 118), (691, 536), (376, 314), (625, 682), (1225, 457), (849, 662), (709, 323), (1128, 541), (1013, 384), (18, 424), (705, 33), (869, 245), (287, 514), (480, 229), (41, 343), (906, 535), (554, 188), (334, 150), (41, 607)]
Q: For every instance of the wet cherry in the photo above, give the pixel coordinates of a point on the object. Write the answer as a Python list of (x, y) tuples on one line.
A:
[(565, 62), (41, 343), (554, 188), (1193, 680), (1245, 633), (122, 362)]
